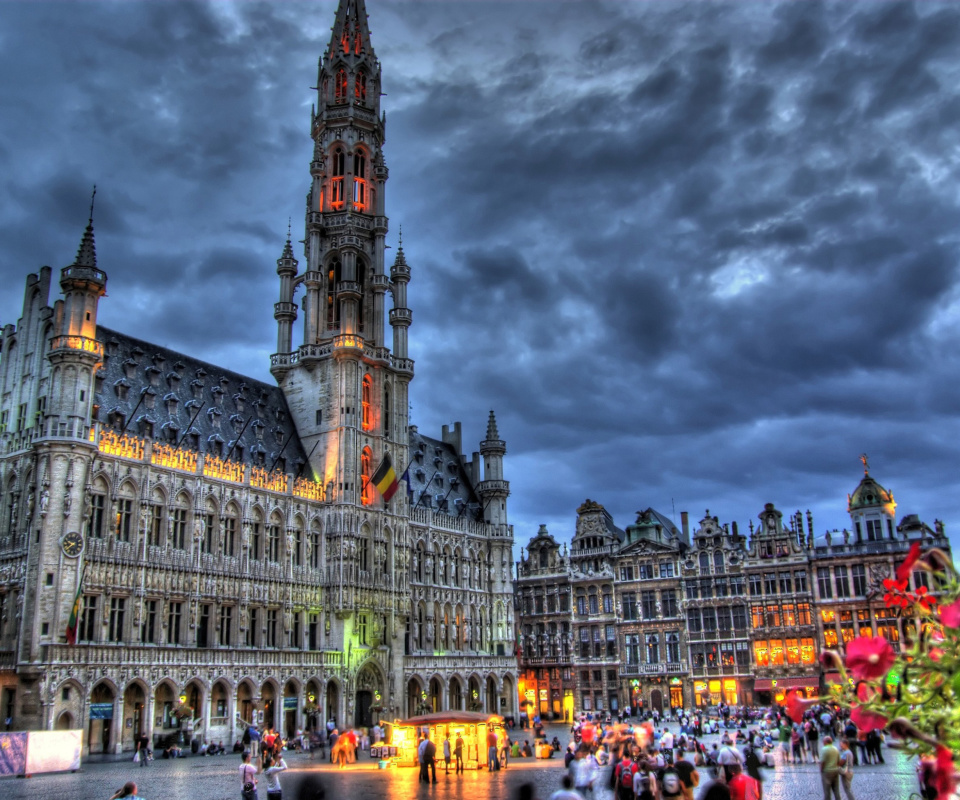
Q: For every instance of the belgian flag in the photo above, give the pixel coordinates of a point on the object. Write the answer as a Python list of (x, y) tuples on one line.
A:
[(74, 620), (385, 479)]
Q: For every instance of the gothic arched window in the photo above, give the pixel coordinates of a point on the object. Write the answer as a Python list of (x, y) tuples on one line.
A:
[(367, 403), (333, 306), (340, 86), (360, 87), (336, 184), (365, 473), (360, 181)]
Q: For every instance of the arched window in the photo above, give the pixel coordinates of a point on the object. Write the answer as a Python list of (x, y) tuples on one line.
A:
[(704, 564), (333, 305), (360, 87), (386, 411), (359, 181), (336, 184), (297, 554), (718, 562), (365, 473), (340, 86), (357, 42), (363, 554), (367, 403)]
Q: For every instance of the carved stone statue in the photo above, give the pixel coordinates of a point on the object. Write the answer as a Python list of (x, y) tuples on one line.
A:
[(429, 630), (44, 501), (67, 502)]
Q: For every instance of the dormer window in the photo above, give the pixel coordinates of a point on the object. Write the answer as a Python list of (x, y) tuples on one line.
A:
[(172, 402), (122, 388), (170, 432), (153, 375), (149, 399), (146, 428), (116, 420), (173, 380), (196, 386), (129, 368), (215, 446)]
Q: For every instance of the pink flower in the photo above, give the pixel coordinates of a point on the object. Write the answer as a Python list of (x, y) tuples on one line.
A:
[(869, 657), (904, 570), (950, 615), (944, 779), (796, 705), (867, 720)]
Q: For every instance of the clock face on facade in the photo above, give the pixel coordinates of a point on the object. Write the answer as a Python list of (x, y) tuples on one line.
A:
[(72, 544)]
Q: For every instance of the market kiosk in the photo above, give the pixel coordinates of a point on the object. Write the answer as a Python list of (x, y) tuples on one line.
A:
[(473, 727)]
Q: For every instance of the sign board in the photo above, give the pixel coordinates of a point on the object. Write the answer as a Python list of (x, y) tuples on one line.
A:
[(30, 753), (101, 711), (289, 703)]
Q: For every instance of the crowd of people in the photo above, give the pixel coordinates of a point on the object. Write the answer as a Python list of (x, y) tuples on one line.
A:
[(648, 762)]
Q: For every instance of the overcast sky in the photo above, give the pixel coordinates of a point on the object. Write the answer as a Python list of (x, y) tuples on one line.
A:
[(694, 255)]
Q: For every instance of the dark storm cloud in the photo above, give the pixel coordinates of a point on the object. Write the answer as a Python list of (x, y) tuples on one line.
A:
[(695, 255)]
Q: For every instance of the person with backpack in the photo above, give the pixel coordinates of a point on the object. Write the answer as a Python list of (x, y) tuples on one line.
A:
[(644, 782), (671, 786), (624, 772)]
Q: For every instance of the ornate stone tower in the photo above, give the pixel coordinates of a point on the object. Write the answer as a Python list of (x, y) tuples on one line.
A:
[(346, 391)]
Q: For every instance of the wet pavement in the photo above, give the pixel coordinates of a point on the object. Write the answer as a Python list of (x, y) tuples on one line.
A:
[(217, 778)]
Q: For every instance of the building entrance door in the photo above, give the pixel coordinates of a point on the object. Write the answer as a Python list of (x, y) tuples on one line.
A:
[(656, 700), (363, 718)]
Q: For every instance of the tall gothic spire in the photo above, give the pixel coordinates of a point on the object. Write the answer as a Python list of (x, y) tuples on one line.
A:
[(351, 34), (87, 253)]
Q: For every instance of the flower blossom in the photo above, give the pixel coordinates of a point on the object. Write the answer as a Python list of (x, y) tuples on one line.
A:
[(904, 570), (950, 615), (869, 657), (796, 705), (944, 778)]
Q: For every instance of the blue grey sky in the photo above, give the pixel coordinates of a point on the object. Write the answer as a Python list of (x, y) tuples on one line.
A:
[(694, 255)]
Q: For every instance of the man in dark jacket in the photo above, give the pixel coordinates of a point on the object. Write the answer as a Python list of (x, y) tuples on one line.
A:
[(429, 759)]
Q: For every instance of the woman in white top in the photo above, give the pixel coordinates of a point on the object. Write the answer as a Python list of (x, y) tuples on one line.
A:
[(271, 771)]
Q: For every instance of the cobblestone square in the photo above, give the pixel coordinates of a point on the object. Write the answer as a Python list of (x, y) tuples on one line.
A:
[(216, 778)]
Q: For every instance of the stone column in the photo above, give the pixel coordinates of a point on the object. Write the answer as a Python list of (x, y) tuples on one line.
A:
[(116, 725), (207, 700), (148, 709)]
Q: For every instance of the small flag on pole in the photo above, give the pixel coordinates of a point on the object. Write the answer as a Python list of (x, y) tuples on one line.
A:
[(74, 620), (385, 479)]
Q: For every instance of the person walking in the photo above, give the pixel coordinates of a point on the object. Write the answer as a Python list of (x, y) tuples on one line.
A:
[(458, 753), (446, 754), (142, 750), (272, 767), (830, 769), (846, 769), (248, 778)]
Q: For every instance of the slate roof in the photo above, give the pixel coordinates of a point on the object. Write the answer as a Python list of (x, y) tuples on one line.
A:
[(436, 472), (181, 387)]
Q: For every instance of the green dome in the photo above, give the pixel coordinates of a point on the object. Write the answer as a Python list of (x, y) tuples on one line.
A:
[(870, 494)]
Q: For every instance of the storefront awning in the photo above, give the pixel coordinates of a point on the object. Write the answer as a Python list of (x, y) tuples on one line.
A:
[(766, 684)]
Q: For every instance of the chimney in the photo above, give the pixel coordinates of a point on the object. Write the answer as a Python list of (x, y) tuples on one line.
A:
[(685, 524)]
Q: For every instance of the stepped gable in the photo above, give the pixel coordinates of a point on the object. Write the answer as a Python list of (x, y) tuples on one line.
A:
[(176, 385), (432, 460)]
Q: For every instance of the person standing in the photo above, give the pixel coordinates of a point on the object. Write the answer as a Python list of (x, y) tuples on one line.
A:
[(272, 767), (142, 750), (830, 769), (430, 758), (813, 740), (846, 769), (248, 777), (421, 748), (492, 762), (446, 754), (458, 752), (504, 745)]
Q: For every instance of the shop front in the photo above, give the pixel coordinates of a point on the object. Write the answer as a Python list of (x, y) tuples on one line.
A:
[(713, 691)]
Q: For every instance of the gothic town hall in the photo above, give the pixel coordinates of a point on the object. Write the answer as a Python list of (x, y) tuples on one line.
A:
[(228, 542)]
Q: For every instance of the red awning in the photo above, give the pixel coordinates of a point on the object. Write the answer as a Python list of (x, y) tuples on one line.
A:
[(766, 684)]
